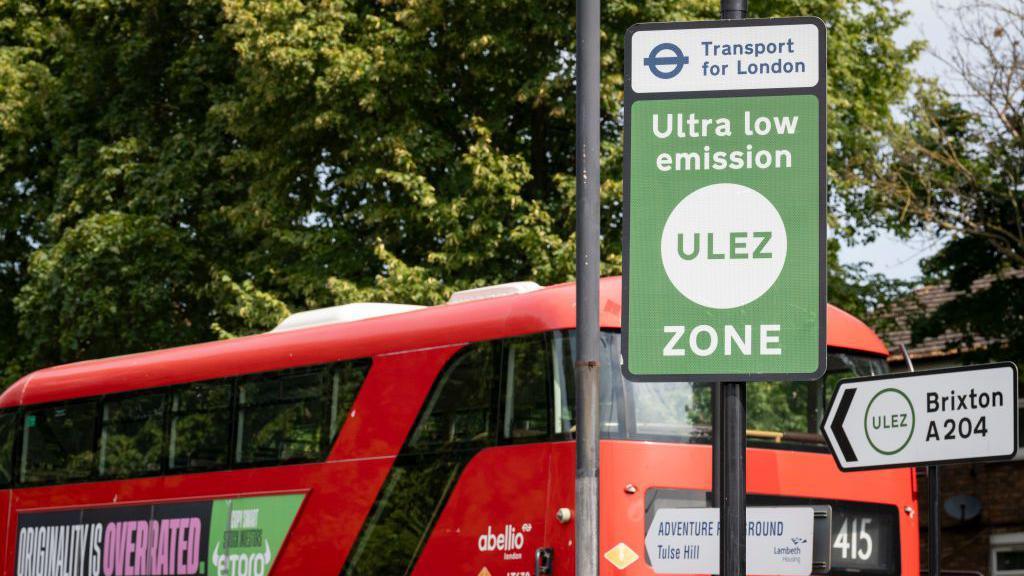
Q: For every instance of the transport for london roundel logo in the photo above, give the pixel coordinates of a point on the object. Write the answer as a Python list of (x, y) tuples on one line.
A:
[(723, 246), (666, 61)]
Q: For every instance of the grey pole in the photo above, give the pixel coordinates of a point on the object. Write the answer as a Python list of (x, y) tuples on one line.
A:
[(934, 509), (734, 9), (716, 444), (733, 439), (733, 499), (934, 523), (717, 467), (588, 262)]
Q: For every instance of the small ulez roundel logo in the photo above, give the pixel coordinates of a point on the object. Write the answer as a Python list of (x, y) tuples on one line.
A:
[(889, 421)]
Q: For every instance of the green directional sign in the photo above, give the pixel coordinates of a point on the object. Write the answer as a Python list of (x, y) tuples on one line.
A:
[(724, 192)]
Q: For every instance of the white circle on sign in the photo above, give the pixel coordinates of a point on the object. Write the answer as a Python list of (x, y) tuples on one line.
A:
[(723, 246), (889, 421)]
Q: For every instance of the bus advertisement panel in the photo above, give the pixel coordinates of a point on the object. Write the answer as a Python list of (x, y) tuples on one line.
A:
[(224, 537)]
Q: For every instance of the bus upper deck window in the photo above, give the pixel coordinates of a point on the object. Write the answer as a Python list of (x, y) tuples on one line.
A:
[(200, 426), (293, 415), (59, 443), (777, 412), (345, 380), (132, 438), (8, 422), (525, 403), (564, 381), (282, 416), (460, 406)]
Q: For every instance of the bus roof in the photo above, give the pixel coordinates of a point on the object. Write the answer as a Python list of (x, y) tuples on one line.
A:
[(551, 308)]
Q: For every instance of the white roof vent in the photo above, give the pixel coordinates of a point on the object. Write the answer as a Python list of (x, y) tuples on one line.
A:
[(510, 289), (341, 314)]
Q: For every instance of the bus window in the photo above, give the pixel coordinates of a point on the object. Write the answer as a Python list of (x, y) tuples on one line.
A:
[(563, 381), (610, 398), (792, 411), (671, 408), (58, 443), (8, 421), (460, 408), (280, 418), (292, 416), (132, 437), (346, 379), (848, 365), (458, 420), (200, 426), (525, 402), (777, 412)]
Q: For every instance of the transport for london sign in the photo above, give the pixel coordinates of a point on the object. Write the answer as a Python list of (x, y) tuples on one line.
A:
[(724, 238), (927, 417)]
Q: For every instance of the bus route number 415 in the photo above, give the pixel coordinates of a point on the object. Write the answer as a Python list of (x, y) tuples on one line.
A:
[(854, 540)]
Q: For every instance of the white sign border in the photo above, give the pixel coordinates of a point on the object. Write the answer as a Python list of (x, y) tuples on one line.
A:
[(820, 91), (886, 377), (807, 33), (767, 567)]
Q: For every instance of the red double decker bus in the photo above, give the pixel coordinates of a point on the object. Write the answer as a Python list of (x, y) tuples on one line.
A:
[(391, 440)]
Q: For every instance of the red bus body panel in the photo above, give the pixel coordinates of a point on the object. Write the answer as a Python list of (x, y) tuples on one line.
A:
[(776, 472), (517, 486), (542, 311)]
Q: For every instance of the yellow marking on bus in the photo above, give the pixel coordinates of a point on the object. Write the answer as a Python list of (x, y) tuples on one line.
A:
[(765, 435), (621, 556)]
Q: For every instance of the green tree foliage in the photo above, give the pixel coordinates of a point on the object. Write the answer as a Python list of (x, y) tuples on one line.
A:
[(861, 292), (955, 173), (174, 170)]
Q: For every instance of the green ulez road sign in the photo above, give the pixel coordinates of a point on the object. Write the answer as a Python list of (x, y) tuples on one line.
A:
[(724, 237)]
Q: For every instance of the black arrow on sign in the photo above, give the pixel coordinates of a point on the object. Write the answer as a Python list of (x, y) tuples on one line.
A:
[(837, 425)]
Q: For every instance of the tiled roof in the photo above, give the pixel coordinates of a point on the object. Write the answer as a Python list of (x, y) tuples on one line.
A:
[(926, 300)]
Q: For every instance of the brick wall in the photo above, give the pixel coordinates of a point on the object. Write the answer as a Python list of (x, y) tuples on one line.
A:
[(1000, 487)]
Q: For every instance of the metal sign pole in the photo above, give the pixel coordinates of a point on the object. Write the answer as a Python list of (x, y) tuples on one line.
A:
[(734, 9), (588, 262), (733, 442), (717, 466), (734, 479), (934, 520), (934, 523), (716, 444)]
